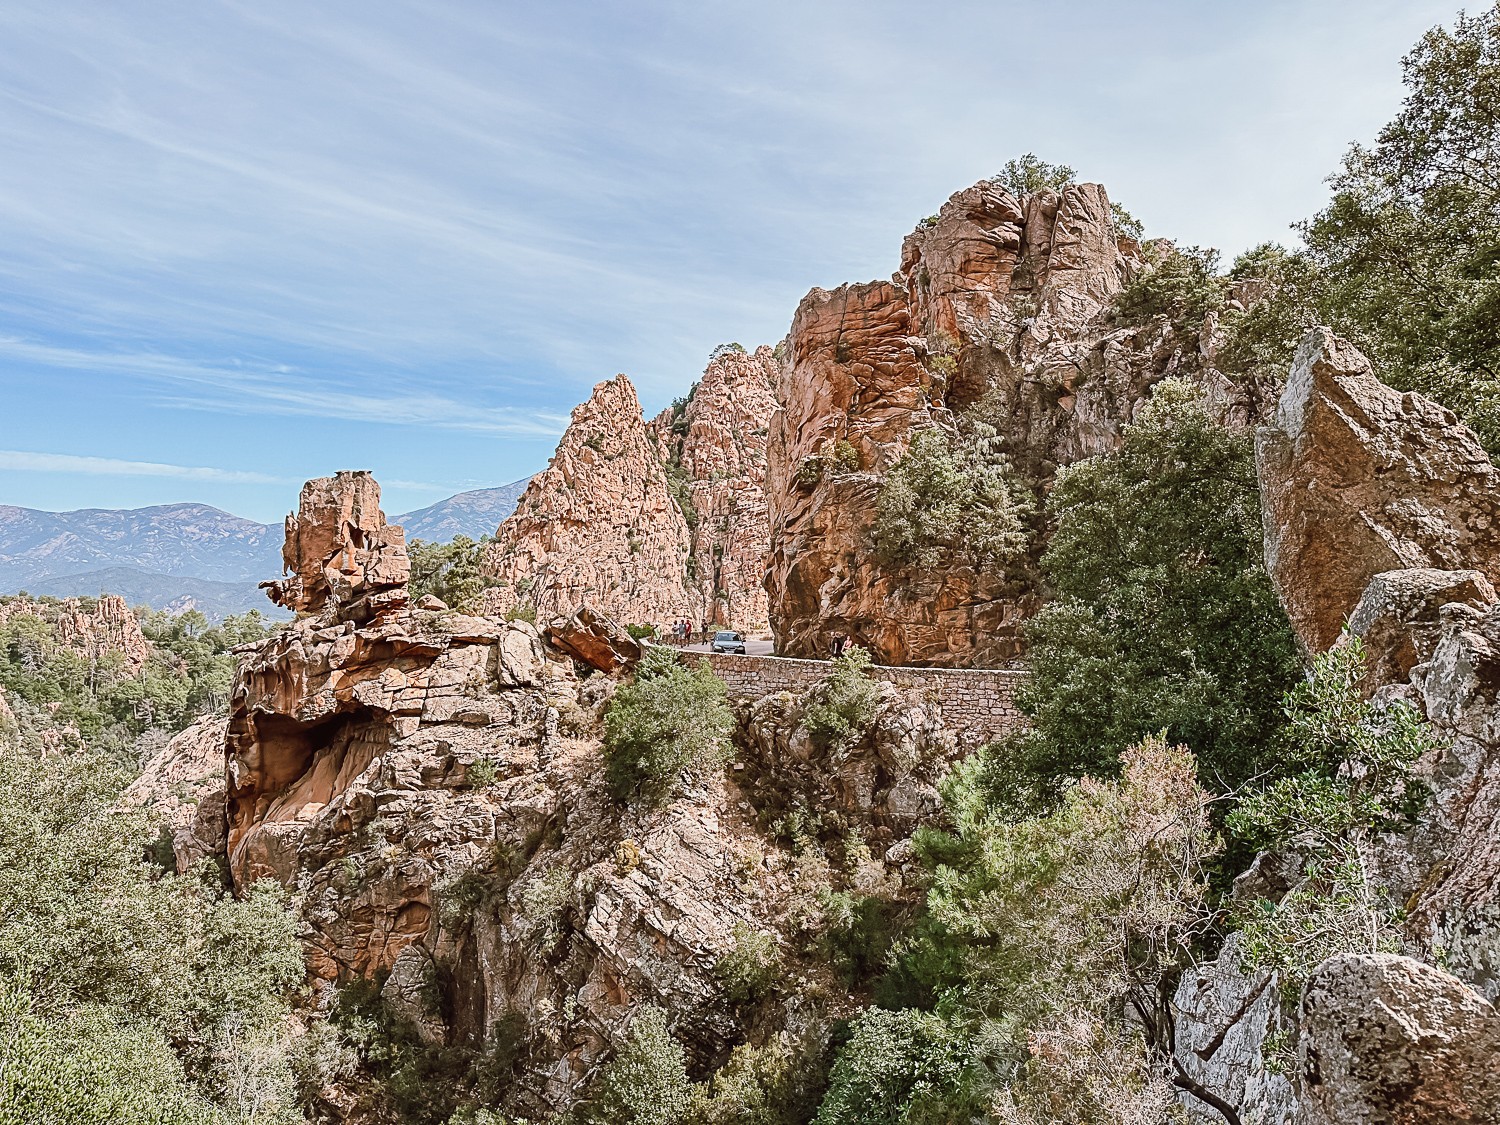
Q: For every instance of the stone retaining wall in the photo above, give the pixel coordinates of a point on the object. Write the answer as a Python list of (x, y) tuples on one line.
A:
[(978, 704)]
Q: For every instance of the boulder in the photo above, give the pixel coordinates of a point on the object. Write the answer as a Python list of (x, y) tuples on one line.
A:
[(1388, 1040), (1357, 479), (591, 637), (1398, 616)]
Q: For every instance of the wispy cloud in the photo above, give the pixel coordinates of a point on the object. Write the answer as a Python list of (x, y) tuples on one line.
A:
[(29, 462), (284, 390)]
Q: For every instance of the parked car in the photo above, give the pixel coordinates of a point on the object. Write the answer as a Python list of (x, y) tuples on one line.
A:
[(728, 641)]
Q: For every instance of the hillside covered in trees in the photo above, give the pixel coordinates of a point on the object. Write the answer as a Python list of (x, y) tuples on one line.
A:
[(442, 850)]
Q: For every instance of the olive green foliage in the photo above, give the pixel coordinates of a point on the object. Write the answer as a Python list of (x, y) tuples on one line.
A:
[(898, 1068), (672, 721), (1045, 929), (843, 702), (169, 992), (1161, 615), (1408, 249), (1279, 291), (646, 1083), (1354, 759), (189, 672), (1181, 283), (722, 350), (953, 499), (779, 1083), (1027, 175), (751, 969), (1126, 223), (449, 571), (408, 1080)]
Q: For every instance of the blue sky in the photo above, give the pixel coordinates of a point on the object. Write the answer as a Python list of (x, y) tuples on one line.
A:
[(242, 244)]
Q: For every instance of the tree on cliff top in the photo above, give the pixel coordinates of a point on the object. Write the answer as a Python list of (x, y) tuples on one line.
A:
[(1028, 174), (1405, 259)]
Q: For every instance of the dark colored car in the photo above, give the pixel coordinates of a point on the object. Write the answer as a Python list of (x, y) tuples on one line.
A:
[(726, 641)]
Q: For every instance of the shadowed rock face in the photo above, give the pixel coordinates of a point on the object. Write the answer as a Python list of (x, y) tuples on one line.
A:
[(1357, 478), (998, 297)]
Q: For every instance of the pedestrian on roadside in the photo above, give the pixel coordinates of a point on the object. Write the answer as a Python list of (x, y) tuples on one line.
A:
[(705, 632), (836, 645)]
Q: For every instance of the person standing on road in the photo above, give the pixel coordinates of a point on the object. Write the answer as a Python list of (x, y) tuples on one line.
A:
[(705, 632)]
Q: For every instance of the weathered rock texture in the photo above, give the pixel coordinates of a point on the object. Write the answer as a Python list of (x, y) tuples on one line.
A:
[(597, 526), (433, 782), (95, 628), (1387, 1040), (650, 522), (183, 785), (342, 556), (1380, 511), (715, 448), (1357, 478), (997, 298)]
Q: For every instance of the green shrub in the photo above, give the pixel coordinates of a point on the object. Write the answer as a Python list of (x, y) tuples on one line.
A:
[(103, 958), (646, 1083), (1027, 175), (953, 500), (1066, 929), (843, 702), (751, 969), (1355, 783), (522, 611), (673, 720), (1181, 283), (450, 571), (899, 1068), (779, 1083)]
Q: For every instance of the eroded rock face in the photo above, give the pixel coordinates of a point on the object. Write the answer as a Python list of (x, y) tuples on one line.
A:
[(434, 785), (1001, 299), (183, 784), (342, 556), (94, 628), (1225, 1015), (1357, 478), (718, 445), (597, 526), (1387, 1040)]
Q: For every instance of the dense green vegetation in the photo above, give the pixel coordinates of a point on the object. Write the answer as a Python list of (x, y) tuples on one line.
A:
[(128, 995), (450, 571), (187, 674), (672, 722), (1161, 616), (954, 501)]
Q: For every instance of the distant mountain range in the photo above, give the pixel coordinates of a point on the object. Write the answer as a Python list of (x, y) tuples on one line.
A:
[(190, 556), (473, 514)]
